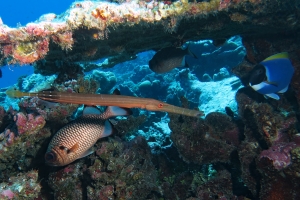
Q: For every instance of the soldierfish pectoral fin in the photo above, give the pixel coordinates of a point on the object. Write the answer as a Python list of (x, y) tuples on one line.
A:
[(108, 129), (73, 148), (273, 96), (86, 153), (284, 90), (91, 110)]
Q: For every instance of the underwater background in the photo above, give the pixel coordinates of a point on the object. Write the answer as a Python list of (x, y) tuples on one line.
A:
[(242, 143), (20, 13)]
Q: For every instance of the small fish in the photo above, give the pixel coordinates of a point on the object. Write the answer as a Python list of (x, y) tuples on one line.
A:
[(169, 58), (272, 75), (0, 73), (76, 139)]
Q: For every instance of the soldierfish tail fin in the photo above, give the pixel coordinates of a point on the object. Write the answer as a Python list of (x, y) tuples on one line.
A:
[(118, 111), (190, 52), (283, 55), (114, 111), (111, 111), (88, 110), (13, 93)]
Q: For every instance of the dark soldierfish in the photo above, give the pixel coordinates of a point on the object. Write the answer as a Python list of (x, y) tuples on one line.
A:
[(169, 58), (76, 139)]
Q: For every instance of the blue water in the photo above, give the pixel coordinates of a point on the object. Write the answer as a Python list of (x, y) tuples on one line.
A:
[(20, 12), (10, 74), (23, 12)]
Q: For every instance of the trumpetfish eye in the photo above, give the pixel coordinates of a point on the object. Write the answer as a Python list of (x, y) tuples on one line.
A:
[(50, 157), (160, 105)]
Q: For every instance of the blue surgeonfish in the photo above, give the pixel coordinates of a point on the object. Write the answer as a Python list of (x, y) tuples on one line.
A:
[(272, 75)]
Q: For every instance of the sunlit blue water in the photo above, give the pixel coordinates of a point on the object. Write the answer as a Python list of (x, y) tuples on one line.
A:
[(14, 13)]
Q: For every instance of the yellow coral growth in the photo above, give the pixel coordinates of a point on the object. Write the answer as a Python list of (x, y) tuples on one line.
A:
[(28, 52)]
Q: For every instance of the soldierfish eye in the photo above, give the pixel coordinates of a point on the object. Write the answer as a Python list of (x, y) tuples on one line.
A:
[(50, 157)]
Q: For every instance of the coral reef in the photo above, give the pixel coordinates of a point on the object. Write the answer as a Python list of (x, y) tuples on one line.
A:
[(120, 170), (270, 138), (35, 82), (204, 141), (221, 75), (19, 149), (104, 29), (251, 152), (65, 183), (22, 186), (106, 80)]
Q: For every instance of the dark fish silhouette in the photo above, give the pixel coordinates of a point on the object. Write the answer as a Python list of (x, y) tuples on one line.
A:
[(169, 58), (0, 73)]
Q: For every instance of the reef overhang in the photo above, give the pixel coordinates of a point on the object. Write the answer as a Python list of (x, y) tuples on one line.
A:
[(91, 30)]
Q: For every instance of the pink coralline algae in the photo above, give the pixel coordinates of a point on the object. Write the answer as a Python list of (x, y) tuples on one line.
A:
[(10, 137), (107, 192), (224, 4), (8, 194), (30, 52), (279, 155), (48, 110), (29, 124)]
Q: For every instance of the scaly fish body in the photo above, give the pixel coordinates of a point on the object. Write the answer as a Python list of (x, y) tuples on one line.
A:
[(76, 139)]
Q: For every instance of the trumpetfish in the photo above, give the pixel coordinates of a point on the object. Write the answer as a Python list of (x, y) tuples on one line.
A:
[(106, 100)]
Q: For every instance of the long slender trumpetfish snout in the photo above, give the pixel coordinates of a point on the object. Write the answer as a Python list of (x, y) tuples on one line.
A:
[(106, 100), (12, 93)]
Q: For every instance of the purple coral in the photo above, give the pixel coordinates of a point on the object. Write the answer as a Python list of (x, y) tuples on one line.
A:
[(279, 154)]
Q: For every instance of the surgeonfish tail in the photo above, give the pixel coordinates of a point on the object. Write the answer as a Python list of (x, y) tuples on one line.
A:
[(282, 55), (13, 93)]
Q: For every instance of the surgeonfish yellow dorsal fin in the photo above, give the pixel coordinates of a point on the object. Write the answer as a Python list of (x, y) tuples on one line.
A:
[(277, 56)]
